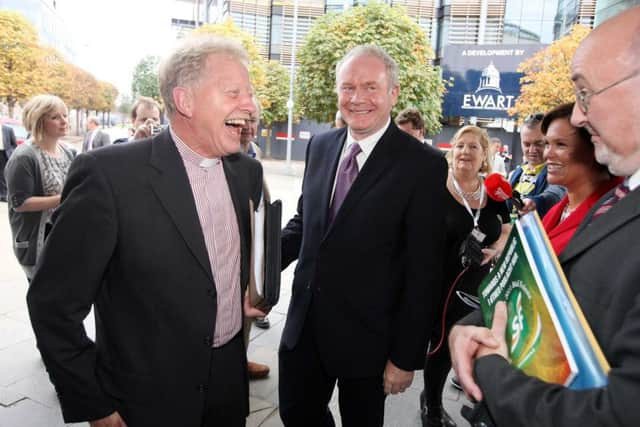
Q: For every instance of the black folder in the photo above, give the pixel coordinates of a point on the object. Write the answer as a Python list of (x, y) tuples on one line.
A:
[(264, 280)]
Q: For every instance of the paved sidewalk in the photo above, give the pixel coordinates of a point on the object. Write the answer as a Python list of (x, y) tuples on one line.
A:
[(27, 398)]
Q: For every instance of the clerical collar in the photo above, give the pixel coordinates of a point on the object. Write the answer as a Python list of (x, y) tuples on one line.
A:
[(188, 155)]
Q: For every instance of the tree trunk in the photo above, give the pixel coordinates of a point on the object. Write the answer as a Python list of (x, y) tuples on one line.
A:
[(11, 102)]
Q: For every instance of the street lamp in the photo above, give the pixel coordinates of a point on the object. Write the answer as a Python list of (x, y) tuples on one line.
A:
[(292, 75)]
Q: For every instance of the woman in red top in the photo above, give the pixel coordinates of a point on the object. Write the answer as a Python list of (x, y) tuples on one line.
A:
[(572, 164)]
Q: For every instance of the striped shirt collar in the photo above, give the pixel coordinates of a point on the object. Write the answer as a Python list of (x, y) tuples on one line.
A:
[(190, 156)]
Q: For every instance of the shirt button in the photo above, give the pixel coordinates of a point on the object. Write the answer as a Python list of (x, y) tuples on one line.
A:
[(201, 388), (208, 341)]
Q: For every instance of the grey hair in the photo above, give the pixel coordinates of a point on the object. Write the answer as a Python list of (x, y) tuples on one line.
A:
[(94, 120), (185, 66), (390, 65)]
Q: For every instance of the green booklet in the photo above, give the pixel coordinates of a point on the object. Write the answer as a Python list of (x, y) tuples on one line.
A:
[(547, 335)]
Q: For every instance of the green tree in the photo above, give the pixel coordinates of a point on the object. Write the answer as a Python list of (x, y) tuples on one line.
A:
[(230, 30), (145, 78), (273, 98), (547, 75), (332, 35), (21, 59), (274, 94)]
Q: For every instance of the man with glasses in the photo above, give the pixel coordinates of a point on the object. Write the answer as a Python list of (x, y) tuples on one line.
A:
[(600, 262), (530, 178)]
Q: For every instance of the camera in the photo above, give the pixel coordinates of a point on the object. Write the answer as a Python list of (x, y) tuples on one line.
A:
[(156, 129), (471, 252)]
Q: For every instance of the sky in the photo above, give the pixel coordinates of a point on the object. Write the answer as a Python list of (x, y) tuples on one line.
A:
[(111, 37)]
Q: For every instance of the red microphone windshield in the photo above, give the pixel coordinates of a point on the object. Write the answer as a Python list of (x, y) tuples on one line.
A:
[(498, 188)]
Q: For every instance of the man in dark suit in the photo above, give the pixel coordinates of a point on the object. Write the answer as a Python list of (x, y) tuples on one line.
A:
[(600, 262), (368, 277), (95, 137), (7, 145), (159, 237)]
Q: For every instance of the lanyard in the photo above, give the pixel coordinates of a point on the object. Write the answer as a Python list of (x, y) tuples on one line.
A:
[(475, 217)]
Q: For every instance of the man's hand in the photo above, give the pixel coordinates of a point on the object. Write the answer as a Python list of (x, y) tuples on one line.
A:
[(145, 130), (251, 311), (396, 380), (113, 420), (464, 342), (498, 329), (529, 205)]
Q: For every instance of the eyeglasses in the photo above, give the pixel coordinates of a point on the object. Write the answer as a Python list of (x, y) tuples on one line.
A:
[(583, 97)]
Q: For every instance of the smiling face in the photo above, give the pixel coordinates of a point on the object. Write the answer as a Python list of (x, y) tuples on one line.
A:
[(219, 106), (365, 97), (468, 153), (532, 141), (55, 123), (569, 158)]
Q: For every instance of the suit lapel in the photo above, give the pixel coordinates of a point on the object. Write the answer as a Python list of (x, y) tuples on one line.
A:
[(170, 182), (587, 235), (240, 199), (376, 165), (334, 150)]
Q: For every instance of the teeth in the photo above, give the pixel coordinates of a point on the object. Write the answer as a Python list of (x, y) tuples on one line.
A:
[(235, 122)]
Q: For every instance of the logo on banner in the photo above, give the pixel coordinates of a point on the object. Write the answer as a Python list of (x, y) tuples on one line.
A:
[(488, 95)]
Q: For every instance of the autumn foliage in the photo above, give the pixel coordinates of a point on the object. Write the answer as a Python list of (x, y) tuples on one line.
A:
[(547, 75), (28, 68)]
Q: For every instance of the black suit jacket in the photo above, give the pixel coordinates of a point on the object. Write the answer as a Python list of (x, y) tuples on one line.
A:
[(8, 141), (127, 237), (375, 274), (8, 145), (602, 266)]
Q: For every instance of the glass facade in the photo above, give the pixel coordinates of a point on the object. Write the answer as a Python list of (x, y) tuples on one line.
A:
[(605, 9), (446, 22)]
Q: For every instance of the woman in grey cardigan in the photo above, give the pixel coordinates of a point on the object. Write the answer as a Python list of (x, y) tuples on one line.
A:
[(35, 175)]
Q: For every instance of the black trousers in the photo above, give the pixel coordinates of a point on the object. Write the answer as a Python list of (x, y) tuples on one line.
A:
[(227, 396), (305, 388)]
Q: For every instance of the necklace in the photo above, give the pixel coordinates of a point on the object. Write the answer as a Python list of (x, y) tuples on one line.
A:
[(566, 212), (473, 195)]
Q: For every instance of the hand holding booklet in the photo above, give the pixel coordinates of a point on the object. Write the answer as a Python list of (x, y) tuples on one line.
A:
[(264, 278), (547, 334)]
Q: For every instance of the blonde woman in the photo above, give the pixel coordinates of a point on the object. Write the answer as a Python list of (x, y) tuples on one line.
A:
[(469, 214), (35, 175)]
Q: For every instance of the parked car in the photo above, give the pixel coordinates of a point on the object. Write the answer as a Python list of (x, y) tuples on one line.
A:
[(18, 129)]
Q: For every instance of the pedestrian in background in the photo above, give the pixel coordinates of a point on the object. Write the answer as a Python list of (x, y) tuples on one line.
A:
[(7, 146), (410, 120), (95, 137), (530, 178), (145, 117), (471, 218), (35, 174)]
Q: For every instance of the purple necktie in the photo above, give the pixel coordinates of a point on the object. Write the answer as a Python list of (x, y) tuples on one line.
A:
[(620, 192), (347, 173)]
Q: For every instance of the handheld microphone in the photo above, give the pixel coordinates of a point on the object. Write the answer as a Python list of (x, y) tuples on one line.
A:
[(499, 189)]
